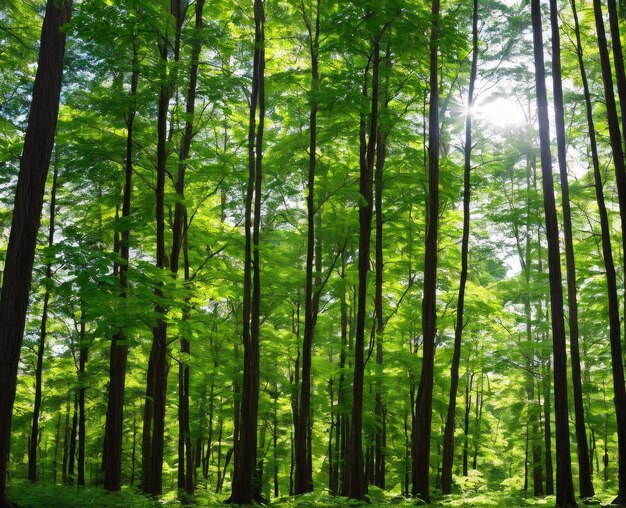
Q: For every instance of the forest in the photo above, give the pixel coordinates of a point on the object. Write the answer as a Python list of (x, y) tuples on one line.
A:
[(312, 253)]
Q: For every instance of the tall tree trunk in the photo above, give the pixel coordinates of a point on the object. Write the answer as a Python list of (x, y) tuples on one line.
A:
[(72, 446), (82, 363), (311, 303), (564, 483), (32, 449), (179, 240), (113, 431), (379, 455), (158, 363), (29, 194), (354, 485), (245, 458), (585, 484), (448, 438), (424, 401), (607, 253)]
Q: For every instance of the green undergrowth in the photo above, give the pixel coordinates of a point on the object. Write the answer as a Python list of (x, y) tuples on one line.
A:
[(46, 495)]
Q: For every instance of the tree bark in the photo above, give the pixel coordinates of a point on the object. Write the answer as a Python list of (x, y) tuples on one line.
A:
[(34, 163), (311, 303), (564, 483), (448, 438), (585, 483), (607, 252), (424, 400), (82, 363), (34, 434), (354, 485), (113, 431), (243, 491)]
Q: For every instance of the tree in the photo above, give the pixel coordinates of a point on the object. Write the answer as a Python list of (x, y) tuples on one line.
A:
[(423, 402), (448, 442), (38, 144), (564, 484), (243, 491)]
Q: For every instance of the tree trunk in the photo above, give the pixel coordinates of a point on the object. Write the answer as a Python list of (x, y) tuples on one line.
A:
[(564, 484), (354, 485), (311, 303), (113, 432), (585, 484), (72, 446), (82, 363), (29, 194), (448, 439), (607, 252), (245, 459), (158, 363), (424, 401), (32, 450)]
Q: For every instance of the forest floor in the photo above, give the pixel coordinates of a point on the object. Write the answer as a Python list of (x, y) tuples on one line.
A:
[(46, 495)]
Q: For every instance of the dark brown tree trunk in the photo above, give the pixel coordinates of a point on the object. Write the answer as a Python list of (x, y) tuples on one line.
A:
[(424, 400), (355, 485), (526, 461), (185, 452), (29, 194), (275, 441), (564, 483), (245, 458), (448, 438), (585, 483), (179, 239), (607, 252), (311, 302), (82, 363), (158, 363), (379, 452), (34, 434), (113, 431)]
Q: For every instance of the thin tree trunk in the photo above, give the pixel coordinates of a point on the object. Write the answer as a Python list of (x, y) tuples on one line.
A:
[(311, 303), (424, 402), (32, 450), (82, 363), (73, 433), (245, 458), (354, 485), (620, 172), (29, 194), (113, 432), (564, 483), (448, 439), (585, 484)]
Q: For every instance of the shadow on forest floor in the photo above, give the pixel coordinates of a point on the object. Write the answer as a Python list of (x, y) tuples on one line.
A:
[(46, 495)]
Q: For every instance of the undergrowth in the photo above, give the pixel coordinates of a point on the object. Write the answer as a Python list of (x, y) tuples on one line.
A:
[(46, 495)]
